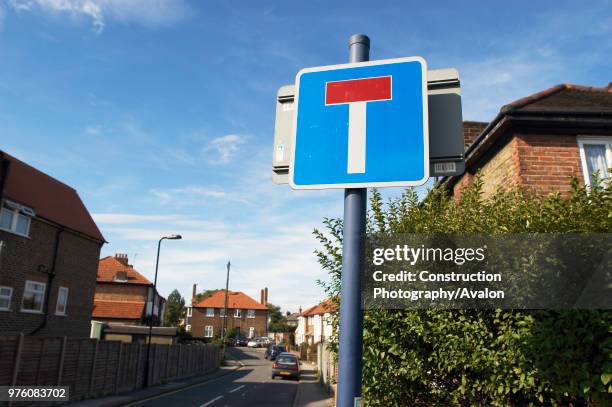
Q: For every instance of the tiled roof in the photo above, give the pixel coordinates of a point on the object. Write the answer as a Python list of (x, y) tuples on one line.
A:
[(566, 97), (321, 308), (51, 199), (109, 266), (118, 309), (236, 299), (570, 104)]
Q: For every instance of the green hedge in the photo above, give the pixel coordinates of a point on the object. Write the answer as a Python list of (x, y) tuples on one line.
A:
[(483, 357)]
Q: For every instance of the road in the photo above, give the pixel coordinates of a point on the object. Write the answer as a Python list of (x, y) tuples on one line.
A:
[(250, 385)]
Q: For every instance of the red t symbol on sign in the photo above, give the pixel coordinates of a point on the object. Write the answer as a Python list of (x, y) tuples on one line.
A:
[(357, 93)]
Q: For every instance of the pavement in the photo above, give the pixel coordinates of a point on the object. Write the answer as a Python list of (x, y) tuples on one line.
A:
[(246, 381)]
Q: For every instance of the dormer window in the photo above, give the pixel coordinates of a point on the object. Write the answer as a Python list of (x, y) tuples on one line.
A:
[(121, 277)]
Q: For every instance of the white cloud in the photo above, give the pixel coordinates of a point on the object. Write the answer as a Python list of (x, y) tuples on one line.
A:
[(92, 130), (223, 148), (144, 12), (122, 218), (192, 195)]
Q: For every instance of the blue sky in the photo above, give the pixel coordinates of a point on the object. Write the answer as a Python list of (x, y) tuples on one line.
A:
[(161, 113)]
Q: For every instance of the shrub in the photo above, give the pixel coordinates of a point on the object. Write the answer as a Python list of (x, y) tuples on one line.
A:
[(482, 357)]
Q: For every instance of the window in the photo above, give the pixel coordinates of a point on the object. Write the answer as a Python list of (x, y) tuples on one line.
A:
[(208, 331), (33, 296), (188, 328), (237, 313), (13, 218), (62, 301), (6, 293), (221, 312), (251, 332), (251, 313), (596, 156), (189, 311), (121, 277)]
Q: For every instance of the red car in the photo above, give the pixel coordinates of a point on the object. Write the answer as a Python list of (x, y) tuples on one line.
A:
[(286, 365)]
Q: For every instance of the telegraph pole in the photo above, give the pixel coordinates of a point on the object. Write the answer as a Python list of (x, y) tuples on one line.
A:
[(225, 307)]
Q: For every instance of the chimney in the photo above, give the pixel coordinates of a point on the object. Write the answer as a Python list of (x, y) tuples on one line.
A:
[(261, 297), (122, 258), (471, 130), (193, 294), (266, 296)]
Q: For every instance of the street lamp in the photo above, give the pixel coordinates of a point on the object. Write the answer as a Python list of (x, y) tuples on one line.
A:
[(171, 237)]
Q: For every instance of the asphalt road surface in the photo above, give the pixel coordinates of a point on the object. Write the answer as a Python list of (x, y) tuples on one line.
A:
[(250, 385)]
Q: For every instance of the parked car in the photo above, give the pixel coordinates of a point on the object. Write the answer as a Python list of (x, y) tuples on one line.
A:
[(241, 341), (286, 365), (273, 351), (257, 343)]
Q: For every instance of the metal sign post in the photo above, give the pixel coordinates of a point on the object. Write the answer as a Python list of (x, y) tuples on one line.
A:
[(359, 125), (351, 316)]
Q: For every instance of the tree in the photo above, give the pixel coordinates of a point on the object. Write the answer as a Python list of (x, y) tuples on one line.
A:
[(205, 294), (278, 321), (476, 357), (175, 309)]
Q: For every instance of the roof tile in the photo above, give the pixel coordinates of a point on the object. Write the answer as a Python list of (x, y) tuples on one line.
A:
[(109, 266), (50, 198), (236, 299)]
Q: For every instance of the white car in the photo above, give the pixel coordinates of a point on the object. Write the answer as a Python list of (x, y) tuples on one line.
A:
[(257, 342), (254, 343)]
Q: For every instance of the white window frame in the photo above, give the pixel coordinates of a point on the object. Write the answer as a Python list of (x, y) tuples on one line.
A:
[(251, 313), (251, 332), (210, 312), (221, 312), (67, 291), (237, 312), (189, 311), (10, 297), (16, 213), (25, 289), (604, 141), (208, 333), (187, 328)]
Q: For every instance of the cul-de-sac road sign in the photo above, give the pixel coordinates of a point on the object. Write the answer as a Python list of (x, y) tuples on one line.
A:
[(361, 125)]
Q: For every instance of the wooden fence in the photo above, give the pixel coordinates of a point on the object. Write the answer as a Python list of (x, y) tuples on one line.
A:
[(94, 368)]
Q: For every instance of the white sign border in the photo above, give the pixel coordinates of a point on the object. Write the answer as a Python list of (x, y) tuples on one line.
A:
[(420, 182)]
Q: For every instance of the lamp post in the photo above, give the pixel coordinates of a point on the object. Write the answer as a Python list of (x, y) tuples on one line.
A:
[(146, 377)]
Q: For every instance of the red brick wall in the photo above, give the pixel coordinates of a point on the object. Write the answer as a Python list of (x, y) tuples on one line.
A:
[(547, 162), (199, 320), (541, 163), (471, 130), (121, 292), (77, 264)]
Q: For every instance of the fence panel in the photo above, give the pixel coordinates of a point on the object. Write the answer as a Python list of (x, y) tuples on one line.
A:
[(93, 368)]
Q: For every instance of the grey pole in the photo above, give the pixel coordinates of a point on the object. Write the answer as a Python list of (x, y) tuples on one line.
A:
[(351, 317), (225, 308)]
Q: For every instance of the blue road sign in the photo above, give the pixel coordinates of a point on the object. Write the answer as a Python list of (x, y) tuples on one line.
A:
[(361, 125)]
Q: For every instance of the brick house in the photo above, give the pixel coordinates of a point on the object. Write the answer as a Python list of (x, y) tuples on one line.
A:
[(123, 294), (49, 250), (245, 315), (540, 141)]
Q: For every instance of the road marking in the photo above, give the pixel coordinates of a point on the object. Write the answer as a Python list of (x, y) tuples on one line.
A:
[(237, 388), (211, 401)]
